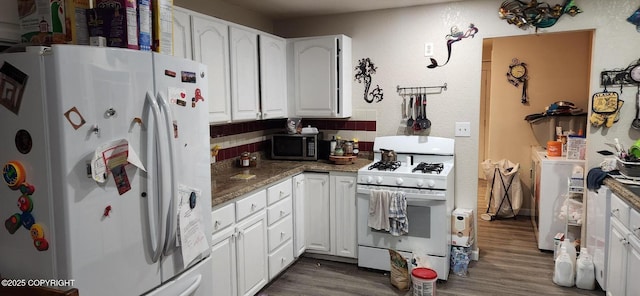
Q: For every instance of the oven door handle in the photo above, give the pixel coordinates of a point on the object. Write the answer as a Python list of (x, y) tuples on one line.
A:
[(412, 197)]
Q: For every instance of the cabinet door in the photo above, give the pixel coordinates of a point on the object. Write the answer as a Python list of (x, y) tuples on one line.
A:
[(252, 254), (245, 97), (315, 77), (633, 265), (211, 47), (318, 220), (182, 33), (617, 265), (9, 28), (223, 253), (298, 215), (344, 190), (273, 77)]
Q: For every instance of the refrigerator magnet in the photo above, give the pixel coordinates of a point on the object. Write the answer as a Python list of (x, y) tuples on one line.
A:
[(106, 211), (36, 231), (26, 188), (175, 129), (13, 223), (169, 73), (13, 174), (12, 85), (23, 141), (41, 244), (27, 220), (188, 77), (75, 118), (25, 204), (121, 179)]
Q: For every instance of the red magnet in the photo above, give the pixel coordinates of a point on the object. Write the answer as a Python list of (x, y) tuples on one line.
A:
[(107, 210), (13, 223), (27, 188), (41, 244), (25, 203), (13, 174), (36, 231)]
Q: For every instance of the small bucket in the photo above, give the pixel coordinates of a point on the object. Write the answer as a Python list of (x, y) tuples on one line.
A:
[(554, 148), (424, 281)]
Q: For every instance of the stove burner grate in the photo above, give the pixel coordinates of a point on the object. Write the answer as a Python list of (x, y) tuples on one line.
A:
[(385, 165), (429, 167)]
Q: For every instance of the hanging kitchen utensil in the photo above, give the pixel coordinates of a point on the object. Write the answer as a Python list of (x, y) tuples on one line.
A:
[(636, 121), (416, 123), (603, 106), (404, 107), (410, 120), (427, 122)]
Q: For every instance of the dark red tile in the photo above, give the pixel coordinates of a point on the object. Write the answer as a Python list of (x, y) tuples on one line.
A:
[(350, 125), (370, 126)]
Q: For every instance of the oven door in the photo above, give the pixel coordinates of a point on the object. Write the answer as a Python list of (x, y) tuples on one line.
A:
[(429, 223)]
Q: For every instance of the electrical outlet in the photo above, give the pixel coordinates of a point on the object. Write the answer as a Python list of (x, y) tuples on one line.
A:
[(463, 129), (428, 49)]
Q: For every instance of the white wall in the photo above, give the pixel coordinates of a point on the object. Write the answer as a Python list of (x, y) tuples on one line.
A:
[(394, 39)]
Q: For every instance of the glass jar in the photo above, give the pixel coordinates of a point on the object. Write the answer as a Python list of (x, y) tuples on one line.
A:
[(245, 159), (348, 148), (356, 147), (338, 151)]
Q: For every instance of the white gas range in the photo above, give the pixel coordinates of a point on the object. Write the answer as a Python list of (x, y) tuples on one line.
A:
[(424, 171)]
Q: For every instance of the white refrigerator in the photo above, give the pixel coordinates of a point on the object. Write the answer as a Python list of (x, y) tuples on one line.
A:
[(106, 172)]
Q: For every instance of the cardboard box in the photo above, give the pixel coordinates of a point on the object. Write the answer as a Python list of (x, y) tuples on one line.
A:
[(144, 24), (462, 233), (41, 21), (75, 23), (162, 14), (119, 21)]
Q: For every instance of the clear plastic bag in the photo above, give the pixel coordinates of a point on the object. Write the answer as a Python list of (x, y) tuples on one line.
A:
[(460, 258)]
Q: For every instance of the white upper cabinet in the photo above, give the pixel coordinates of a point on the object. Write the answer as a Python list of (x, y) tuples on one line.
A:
[(273, 76), (211, 47), (9, 28), (321, 76), (182, 33), (245, 87)]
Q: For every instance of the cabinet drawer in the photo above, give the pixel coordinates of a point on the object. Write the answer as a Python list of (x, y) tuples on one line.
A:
[(279, 191), (280, 233), (279, 210), (251, 204), (280, 259), (223, 217), (620, 210), (634, 223)]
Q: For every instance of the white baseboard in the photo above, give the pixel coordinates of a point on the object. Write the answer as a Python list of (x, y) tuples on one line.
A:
[(475, 254)]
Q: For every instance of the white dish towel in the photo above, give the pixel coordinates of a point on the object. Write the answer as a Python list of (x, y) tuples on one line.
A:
[(379, 209)]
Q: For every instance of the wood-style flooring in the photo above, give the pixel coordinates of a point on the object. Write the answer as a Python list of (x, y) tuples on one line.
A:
[(510, 264)]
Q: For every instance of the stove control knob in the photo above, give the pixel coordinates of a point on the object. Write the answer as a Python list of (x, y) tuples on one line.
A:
[(431, 183), (399, 181), (420, 183), (379, 180), (369, 180)]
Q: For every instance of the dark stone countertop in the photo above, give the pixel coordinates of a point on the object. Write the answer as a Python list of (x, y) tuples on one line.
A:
[(224, 189), (623, 193)]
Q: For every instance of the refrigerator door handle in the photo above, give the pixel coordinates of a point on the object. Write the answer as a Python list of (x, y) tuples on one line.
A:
[(172, 212), (153, 133), (193, 286)]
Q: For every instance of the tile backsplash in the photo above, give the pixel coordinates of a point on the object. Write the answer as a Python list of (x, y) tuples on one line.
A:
[(253, 136)]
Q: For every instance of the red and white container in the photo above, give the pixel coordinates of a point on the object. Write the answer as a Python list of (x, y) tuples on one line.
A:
[(424, 281)]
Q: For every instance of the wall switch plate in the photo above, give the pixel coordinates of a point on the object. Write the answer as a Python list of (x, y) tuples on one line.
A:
[(463, 129), (428, 49)]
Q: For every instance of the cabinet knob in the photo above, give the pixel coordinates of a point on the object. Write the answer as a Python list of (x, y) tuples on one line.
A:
[(614, 211), (282, 213), (264, 115)]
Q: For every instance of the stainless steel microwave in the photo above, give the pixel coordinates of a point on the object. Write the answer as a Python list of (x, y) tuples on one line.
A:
[(295, 146)]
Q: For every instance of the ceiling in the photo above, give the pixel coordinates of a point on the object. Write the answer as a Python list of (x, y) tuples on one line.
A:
[(286, 9)]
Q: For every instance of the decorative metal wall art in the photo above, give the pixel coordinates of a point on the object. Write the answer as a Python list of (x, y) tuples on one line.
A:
[(455, 36), (364, 70), (629, 76), (534, 13)]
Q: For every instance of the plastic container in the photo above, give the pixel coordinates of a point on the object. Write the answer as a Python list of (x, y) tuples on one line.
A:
[(628, 168), (424, 281), (554, 148), (585, 271)]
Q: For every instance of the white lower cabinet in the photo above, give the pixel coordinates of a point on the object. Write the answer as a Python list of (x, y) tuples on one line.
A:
[(280, 226), (298, 215), (239, 246), (624, 249), (330, 214)]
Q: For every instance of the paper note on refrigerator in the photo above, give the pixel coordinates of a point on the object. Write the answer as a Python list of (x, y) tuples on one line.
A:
[(108, 154), (190, 226)]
